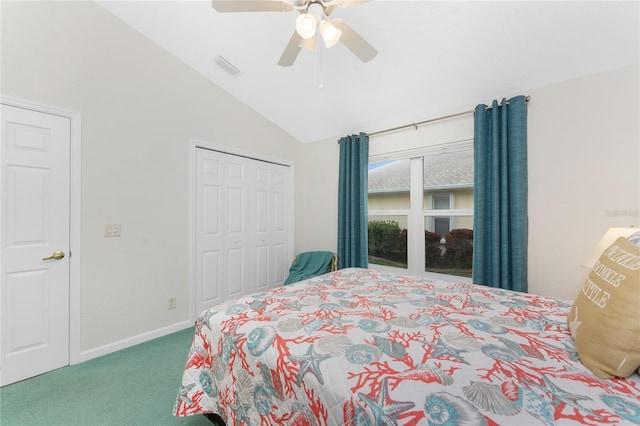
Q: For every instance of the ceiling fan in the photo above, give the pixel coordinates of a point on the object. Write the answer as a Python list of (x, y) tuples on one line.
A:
[(313, 19)]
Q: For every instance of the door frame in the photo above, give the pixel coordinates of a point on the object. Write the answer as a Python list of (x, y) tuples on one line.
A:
[(193, 145), (75, 119)]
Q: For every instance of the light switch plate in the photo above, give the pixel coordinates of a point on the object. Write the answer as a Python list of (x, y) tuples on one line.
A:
[(112, 230)]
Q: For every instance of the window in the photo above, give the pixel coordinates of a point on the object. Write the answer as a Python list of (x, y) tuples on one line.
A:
[(389, 207), (421, 211)]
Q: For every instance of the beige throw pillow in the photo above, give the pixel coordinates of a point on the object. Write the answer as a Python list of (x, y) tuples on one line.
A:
[(605, 317)]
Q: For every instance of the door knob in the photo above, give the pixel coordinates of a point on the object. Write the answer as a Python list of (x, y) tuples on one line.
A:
[(57, 255)]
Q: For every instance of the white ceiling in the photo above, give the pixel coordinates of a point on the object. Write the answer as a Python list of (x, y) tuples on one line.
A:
[(434, 57)]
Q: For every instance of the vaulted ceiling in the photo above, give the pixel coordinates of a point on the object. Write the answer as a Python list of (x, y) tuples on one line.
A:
[(434, 57)]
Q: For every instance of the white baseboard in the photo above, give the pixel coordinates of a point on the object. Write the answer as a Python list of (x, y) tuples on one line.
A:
[(135, 340)]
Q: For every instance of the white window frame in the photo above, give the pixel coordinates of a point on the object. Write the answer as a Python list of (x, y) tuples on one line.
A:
[(416, 214)]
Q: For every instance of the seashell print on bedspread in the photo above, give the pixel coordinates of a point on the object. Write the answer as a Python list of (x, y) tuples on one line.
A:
[(364, 347)]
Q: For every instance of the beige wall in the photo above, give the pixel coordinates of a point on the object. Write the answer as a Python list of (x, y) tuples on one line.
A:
[(584, 173), (463, 200), (584, 170), (140, 107), (389, 201)]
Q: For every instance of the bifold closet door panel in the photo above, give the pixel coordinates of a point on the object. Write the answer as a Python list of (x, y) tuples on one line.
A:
[(243, 229)]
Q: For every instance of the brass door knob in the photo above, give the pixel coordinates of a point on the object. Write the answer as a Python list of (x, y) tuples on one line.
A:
[(57, 255)]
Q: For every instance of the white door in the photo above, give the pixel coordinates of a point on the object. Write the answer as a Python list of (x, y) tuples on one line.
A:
[(243, 232), (34, 243), (236, 233), (272, 224)]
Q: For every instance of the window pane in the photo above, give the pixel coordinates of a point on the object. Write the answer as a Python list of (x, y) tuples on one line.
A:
[(448, 185), (448, 174), (388, 240), (450, 252), (389, 185)]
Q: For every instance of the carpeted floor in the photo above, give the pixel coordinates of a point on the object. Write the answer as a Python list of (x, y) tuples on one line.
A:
[(135, 386)]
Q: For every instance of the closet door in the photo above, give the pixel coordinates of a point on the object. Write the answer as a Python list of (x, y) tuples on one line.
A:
[(272, 224), (209, 220), (237, 238), (243, 228)]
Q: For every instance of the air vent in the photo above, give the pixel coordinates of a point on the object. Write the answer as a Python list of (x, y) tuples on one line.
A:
[(227, 66)]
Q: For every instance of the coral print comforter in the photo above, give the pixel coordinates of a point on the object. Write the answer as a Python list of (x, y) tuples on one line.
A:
[(361, 347)]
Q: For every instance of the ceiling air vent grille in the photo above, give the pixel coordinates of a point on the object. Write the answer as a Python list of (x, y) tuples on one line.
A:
[(227, 66)]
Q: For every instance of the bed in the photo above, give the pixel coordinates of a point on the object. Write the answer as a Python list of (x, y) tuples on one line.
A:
[(364, 347)]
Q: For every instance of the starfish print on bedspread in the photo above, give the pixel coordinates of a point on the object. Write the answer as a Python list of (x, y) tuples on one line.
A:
[(203, 320), (310, 363), (386, 410), (230, 343)]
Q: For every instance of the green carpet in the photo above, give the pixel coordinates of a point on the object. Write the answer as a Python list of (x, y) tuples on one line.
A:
[(135, 386)]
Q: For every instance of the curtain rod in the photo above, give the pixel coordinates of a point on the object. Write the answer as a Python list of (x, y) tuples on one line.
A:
[(420, 123)]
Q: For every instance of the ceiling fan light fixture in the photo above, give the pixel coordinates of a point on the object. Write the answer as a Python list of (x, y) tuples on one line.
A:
[(312, 19), (308, 44), (329, 32), (306, 25)]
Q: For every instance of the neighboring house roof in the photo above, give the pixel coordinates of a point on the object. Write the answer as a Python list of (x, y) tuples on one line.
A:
[(441, 171)]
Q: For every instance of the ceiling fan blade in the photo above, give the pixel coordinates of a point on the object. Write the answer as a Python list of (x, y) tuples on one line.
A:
[(251, 6), (354, 41), (349, 3), (328, 10), (333, 4), (291, 51)]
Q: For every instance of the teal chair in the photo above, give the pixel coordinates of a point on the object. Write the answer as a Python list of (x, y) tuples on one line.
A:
[(311, 264)]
